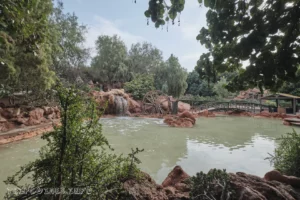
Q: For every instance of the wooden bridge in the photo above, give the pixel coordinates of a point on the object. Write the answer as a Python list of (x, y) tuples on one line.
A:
[(227, 105)]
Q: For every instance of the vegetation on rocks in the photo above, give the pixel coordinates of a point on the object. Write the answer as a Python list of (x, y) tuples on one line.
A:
[(139, 86), (214, 184), (286, 157)]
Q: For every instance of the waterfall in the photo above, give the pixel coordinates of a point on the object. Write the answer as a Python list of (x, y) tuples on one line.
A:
[(121, 105)]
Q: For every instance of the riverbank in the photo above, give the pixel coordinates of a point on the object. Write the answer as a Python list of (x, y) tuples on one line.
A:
[(25, 132)]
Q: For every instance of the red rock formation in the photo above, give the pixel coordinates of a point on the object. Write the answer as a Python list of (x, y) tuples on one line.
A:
[(275, 175), (11, 118), (177, 178), (187, 114), (243, 187), (176, 121), (247, 187), (174, 187)]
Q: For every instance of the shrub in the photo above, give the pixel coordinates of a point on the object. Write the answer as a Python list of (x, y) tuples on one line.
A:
[(286, 157), (77, 156), (213, 185), (139, 86)]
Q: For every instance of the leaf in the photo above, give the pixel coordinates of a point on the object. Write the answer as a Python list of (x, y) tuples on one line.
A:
[(147, 13)]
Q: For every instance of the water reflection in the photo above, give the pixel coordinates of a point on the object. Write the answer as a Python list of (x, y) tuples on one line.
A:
[(237, 144)]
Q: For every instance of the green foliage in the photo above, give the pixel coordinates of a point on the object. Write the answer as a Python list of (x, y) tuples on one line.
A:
[(25, 45), (286, 158), (144, 58), (69, 37), (260, 32), (110, 63), (270, 103), (210, 186), (269, 47), (139, 86), (220, 90), (77, 155), (197, 86), (172, 77)]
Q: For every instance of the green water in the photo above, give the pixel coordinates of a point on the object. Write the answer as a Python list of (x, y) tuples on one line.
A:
[(237, 144)]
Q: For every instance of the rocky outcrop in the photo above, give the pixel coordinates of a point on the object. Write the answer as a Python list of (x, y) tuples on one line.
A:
[(247, 187), (11, 118), (273, 186), (206, 113), (118, 102), (186, 120), (163, 101), (250, 94), (173, 187)]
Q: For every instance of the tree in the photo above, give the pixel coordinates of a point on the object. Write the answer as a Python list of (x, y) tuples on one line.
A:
[(24, 46), (70, 38), (139, 86), (144, 58), (110, 63), (75, 158), (176, 77), (193, 81), (205, 69), (264, 33), (220, 88), (197, 86)]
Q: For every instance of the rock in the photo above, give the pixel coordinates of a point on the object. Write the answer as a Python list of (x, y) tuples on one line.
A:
[(187, 114), (177, 175), (287, 123), (182, 107), (36, 116), (203, 113), (247, 187), (134, 106), (175, 121), (2, 119), (7, 113), (146, 188), (275, 175)]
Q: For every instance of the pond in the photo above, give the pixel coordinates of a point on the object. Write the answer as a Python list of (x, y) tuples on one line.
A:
[(231, 143)]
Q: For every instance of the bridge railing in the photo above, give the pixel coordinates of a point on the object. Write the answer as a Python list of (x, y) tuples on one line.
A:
[(228, 105)]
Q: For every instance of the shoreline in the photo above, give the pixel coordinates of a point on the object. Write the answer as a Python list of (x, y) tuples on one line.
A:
[(27, 132)]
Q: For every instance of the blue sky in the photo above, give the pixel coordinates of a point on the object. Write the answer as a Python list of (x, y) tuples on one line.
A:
[(126, 19)]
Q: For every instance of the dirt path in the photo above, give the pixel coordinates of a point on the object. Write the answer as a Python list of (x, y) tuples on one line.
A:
[(26, 132)]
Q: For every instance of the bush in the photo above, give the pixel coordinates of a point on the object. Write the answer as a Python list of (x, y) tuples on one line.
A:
[(286, 158), (213, 185), (139, 86), (77, 156)]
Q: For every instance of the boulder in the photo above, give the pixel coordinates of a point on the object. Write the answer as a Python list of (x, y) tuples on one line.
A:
[(147, 189), (36, 116), (134, 106), (182, 107), (275, 175), (187, 114), (176, 177), (175, 121), (247, 187)]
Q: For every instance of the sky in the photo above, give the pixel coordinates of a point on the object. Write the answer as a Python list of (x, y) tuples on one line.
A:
[(126, 19)]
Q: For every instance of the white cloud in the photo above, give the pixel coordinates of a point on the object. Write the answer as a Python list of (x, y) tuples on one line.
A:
[(103, 26)]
